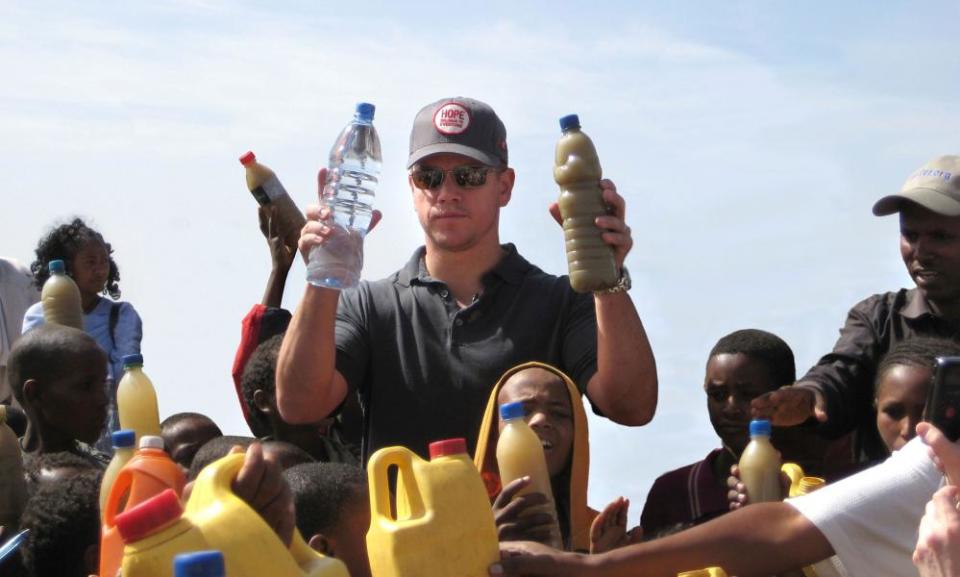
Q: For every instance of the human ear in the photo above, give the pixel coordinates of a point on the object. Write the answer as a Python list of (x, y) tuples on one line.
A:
[(507, 178), (321, 544), (31, 391), (261, 400)]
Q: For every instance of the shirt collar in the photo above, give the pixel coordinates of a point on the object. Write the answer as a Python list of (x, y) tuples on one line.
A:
[(916, 306), (511, 268)]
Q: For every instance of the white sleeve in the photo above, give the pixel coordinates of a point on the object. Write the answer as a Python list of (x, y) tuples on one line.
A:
[(871, 518)]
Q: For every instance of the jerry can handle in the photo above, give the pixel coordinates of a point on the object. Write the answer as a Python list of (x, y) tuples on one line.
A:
[(121, 485), (377, 468), (795, 473)]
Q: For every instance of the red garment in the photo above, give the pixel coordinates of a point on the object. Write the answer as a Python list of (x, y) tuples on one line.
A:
[(684, 497), (261, 323)]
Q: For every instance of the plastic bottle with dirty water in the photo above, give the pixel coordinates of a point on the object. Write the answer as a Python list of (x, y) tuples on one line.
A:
[(590, 260), (268, 191), (61, 298), (760, 465)]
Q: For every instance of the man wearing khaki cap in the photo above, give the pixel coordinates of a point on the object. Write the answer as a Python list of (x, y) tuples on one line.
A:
[(423, 348), (838, 391)]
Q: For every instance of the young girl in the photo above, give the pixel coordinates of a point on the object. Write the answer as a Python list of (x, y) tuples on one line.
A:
[(903, 380), (115, 325)]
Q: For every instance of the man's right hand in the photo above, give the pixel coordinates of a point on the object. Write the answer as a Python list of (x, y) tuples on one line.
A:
[(788, 406), (318, 228)]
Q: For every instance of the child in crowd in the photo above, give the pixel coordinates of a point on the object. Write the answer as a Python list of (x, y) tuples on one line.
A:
[(114, 325), (320, 440), (741, 366), (54, 468), (903, 379), (555, 412), (184, 433), (57, 374), (333, 511), (264, 321), (285, 454), (64, 523)]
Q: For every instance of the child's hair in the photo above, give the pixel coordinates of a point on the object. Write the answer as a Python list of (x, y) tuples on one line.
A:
[(64, 242), (177, 418), (260, 373), (919, 352), (321, 491), (34, 466), (64, 521), (45, 353), (766, 347), (214, 449)]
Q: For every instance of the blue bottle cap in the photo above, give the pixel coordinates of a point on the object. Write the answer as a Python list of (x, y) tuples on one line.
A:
[(365, 111), (132, 360), (124, 438), (569, 121), (760, 427), (199, 564), (512, 411), (57, 267)]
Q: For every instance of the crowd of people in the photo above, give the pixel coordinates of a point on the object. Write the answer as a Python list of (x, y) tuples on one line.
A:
[(467, 324)]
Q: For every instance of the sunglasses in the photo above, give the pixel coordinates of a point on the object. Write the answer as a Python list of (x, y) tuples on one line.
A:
[(464, 176)]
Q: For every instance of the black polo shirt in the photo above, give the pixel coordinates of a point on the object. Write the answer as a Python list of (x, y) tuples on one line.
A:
[(423, 367)]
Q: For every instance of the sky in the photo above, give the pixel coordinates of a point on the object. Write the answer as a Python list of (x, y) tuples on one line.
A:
[(749, 138)]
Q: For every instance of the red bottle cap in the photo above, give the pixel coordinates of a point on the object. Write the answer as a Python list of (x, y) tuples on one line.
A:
[(149, 517), (248, 158), (447, 447)]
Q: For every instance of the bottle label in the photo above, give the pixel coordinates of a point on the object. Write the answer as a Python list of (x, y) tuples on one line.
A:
[(269, 191)]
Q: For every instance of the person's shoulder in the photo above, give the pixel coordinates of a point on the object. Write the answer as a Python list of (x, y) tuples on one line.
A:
[(669, 482), (884, 303)]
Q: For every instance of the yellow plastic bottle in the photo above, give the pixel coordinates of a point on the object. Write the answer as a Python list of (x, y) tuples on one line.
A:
[(154, 532), (137, 399), (708, 572), (760, 465), (61, 298), (577, 170), (267, 190), (249, 546), (520, 454), (13, 490), (123, 448), (158, 530), (448, 528)]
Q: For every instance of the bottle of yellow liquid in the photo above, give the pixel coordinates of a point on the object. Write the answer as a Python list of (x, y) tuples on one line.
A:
[(446, 526), (760, 465), (520, 454), (577, 171), (124, 442), (708, 572), (13, 490), (267, 190), (61, 298), (137, 399)]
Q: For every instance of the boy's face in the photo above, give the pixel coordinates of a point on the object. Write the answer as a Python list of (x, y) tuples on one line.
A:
[(184, 439), (350, 539), (73, 406), (547, 404), (731, 382)]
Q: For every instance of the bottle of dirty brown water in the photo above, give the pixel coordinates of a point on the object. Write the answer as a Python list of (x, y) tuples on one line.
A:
[(760, 465), (267, 190), (62, 304), (577, 171)]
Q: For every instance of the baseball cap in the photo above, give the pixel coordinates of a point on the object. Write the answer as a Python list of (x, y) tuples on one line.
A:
[(934, 186), (461, 126)]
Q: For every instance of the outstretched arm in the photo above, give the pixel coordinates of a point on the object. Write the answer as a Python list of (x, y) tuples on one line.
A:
[(624, 388)]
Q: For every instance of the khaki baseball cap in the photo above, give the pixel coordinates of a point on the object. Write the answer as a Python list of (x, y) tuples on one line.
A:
[(934, 186), (461, 126)]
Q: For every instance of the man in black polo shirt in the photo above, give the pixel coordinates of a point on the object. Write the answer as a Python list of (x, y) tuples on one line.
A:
[(838, 391), (423, 347)]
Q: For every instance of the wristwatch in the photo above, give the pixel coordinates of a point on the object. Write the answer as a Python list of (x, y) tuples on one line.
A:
[(623, 284)]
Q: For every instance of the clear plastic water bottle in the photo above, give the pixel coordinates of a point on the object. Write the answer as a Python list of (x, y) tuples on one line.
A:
[(354, 171)]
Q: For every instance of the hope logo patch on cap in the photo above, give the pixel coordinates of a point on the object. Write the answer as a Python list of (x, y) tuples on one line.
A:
[(451, 118)]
